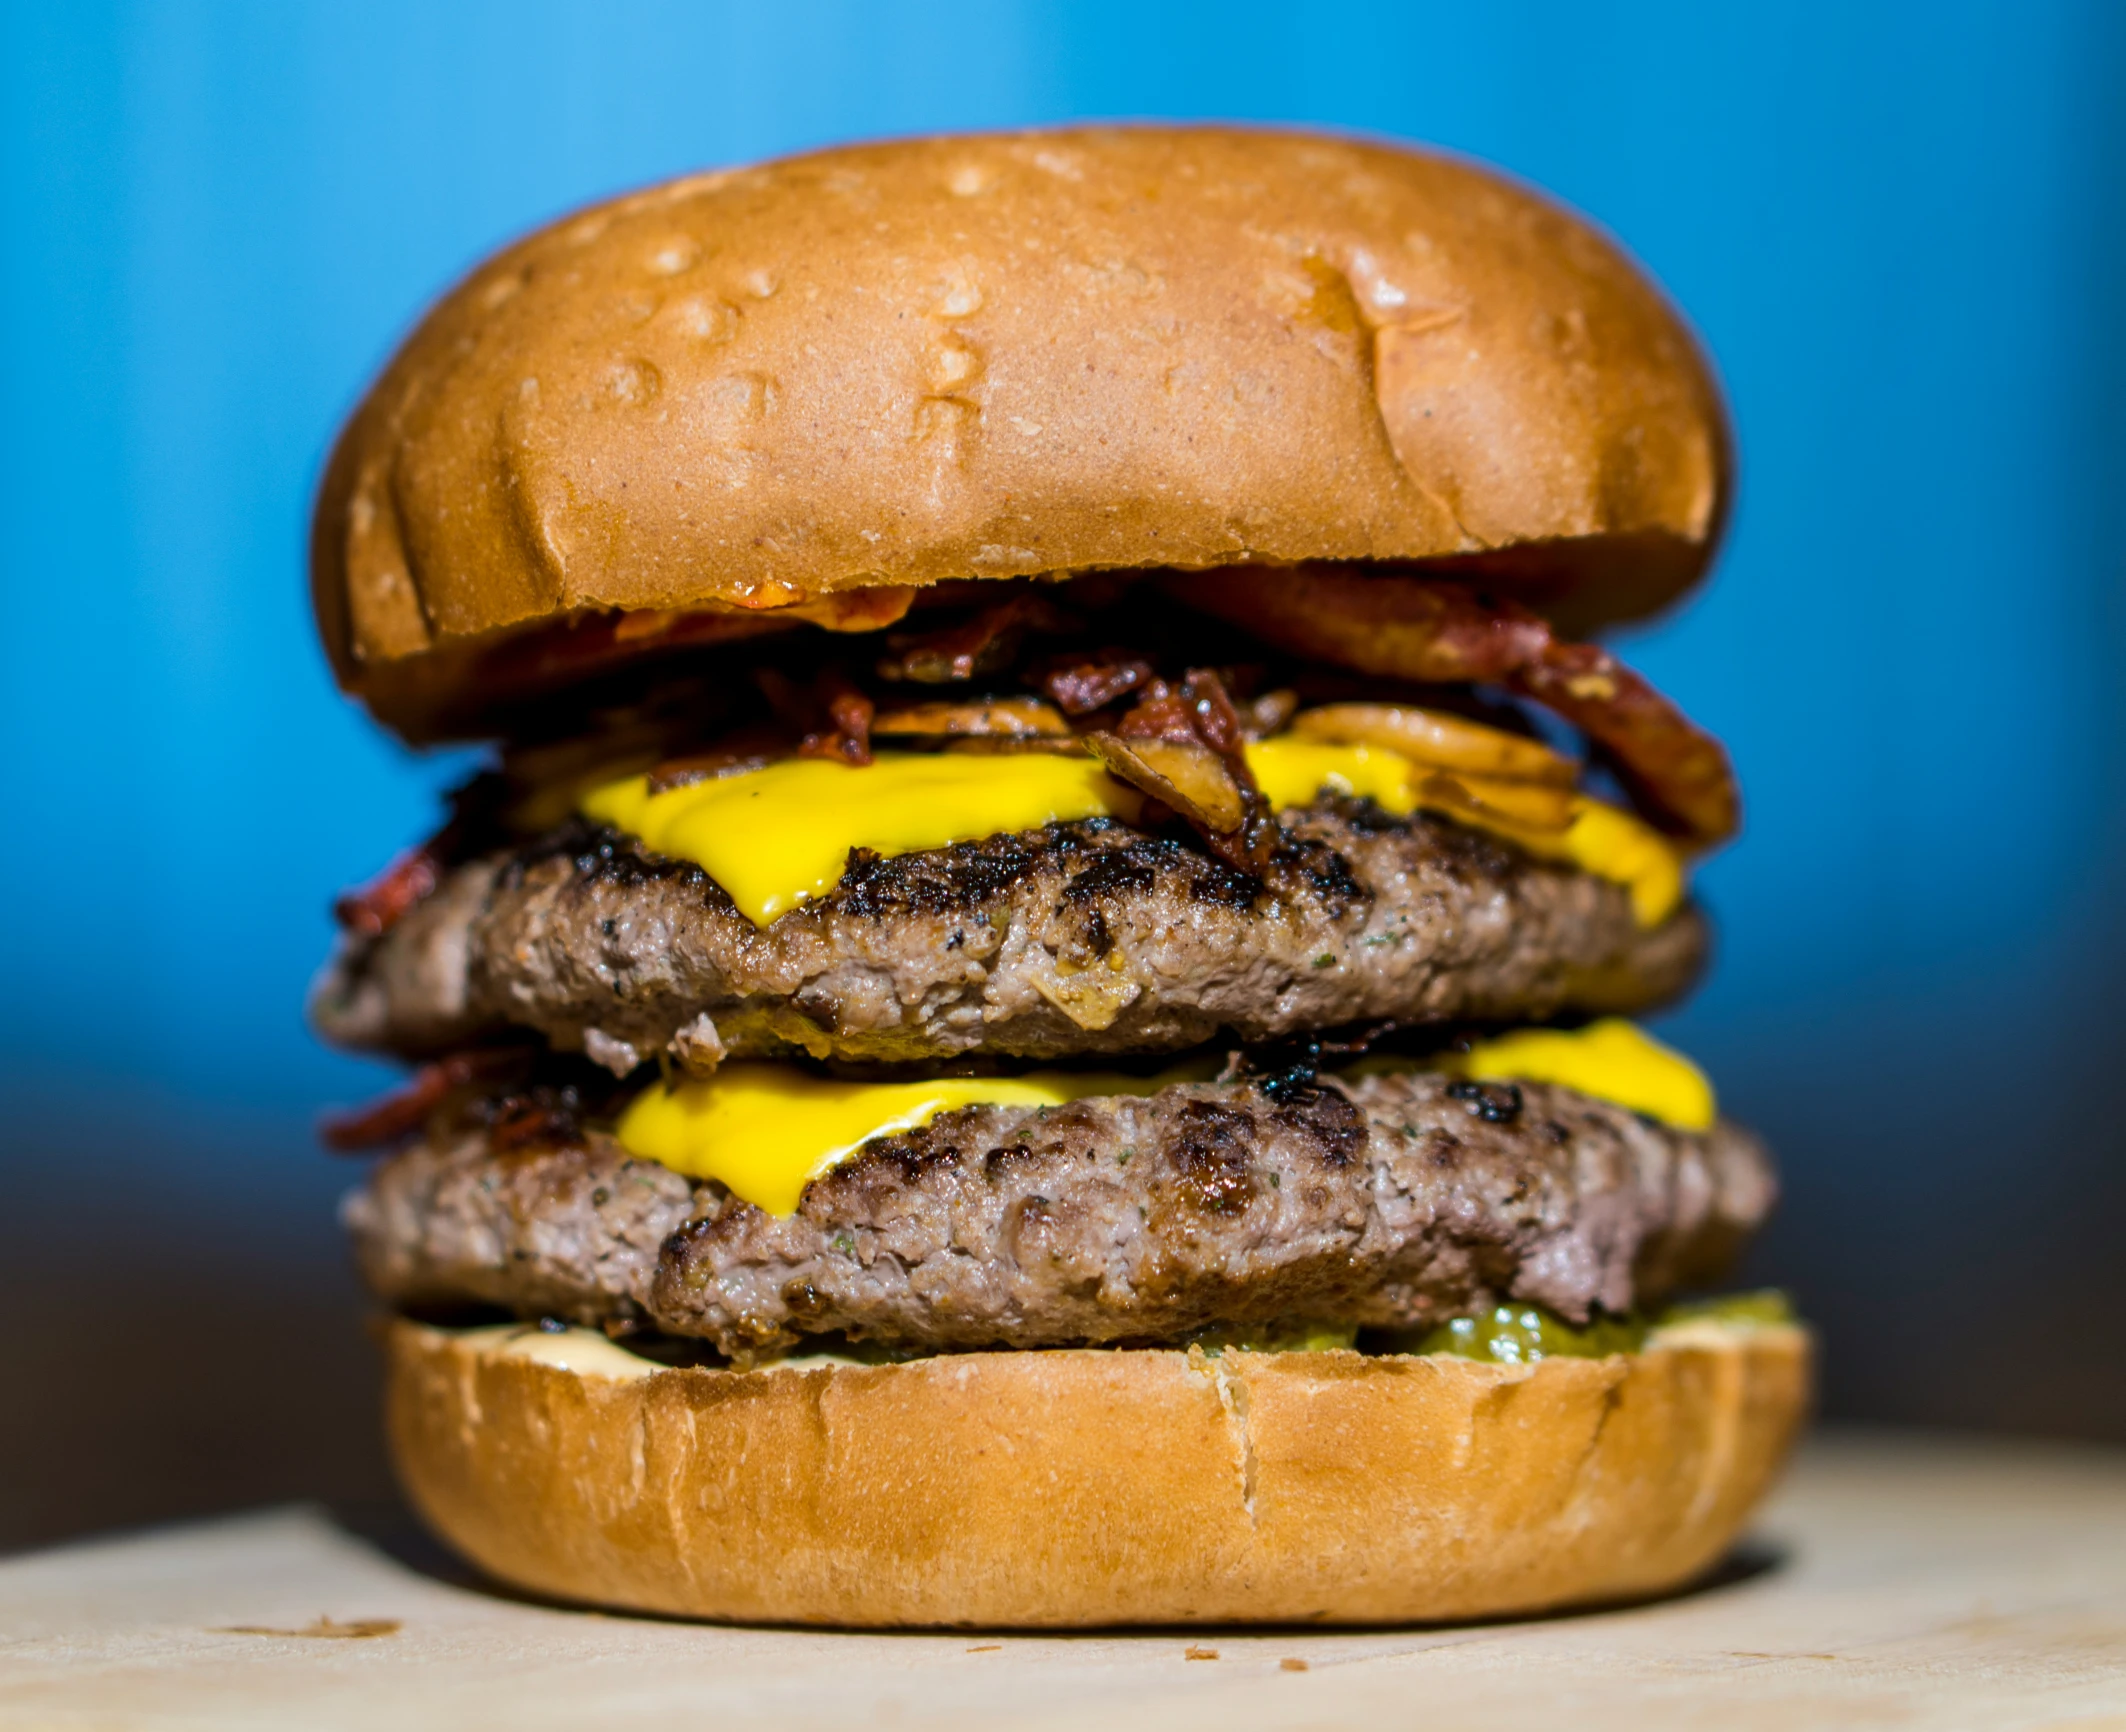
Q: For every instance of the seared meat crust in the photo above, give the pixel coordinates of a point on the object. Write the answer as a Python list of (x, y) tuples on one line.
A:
[(1392, 1200), (1079, 938)]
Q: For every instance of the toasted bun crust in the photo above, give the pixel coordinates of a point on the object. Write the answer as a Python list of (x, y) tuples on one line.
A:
[(995, 356), (1086, 1488)]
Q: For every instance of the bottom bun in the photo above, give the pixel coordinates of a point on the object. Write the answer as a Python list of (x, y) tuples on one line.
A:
[(1092, 1487)]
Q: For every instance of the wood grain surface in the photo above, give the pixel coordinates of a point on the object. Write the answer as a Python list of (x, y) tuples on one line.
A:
[(1898, 1580)]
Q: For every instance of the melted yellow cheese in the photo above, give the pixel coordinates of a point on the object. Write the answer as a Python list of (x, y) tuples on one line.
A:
[(1291, 772), (766, 1131), (779, 836), (1612, 1059), (1600, 839)]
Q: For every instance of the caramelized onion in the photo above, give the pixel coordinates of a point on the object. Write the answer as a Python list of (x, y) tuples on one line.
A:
[(1425, 629), (1532, 805), (994, 718), (1447, 742), (1185, 775)]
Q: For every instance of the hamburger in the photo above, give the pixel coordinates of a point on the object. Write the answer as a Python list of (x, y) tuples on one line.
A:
[(1033, 1021)]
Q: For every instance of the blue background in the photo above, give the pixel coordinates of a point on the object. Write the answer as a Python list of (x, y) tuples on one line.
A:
[(1897, 226)]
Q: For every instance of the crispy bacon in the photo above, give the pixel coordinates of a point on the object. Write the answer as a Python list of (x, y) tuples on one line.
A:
[(407, 1108), (543, 1117), (1198, 714), (1081, 685), (743, 749), (1161, 712), (1424, 629), (1217, 721), (376, 907), (849, 740), (1671, 766), (1200, 711), (480, 810), (833, 716), (983, 643), (548, 656)]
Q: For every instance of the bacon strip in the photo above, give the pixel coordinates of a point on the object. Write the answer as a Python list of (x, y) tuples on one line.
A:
[(376, 907), (1081, 685), (832, 699), (849, 740), (521, 1122), (741, 750), (1423, 629), (980, 644), (478, 809), (1669, 763), (407, 1108)]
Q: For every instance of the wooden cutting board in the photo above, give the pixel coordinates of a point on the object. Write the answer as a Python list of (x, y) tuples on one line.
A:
[(1897, 1582)]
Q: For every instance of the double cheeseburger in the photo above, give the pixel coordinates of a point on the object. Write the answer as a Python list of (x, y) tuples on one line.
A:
[(1032, 1023)]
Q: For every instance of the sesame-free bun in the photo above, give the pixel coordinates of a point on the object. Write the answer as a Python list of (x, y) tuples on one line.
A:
[(1091, 1487), (876, 368)]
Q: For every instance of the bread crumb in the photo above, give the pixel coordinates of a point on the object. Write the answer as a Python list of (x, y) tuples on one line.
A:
[(1199, 1653), (1291, 1665), (358, 1629)]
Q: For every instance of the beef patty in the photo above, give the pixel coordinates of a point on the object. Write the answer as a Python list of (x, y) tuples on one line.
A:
[(1392, 1200), (1078, 938)]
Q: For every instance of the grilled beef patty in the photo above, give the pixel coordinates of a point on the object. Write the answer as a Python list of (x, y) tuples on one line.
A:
[(1392, 1200), (1075, 939)]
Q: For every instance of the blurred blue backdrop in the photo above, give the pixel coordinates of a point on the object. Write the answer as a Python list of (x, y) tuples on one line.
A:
[(1898, 227)]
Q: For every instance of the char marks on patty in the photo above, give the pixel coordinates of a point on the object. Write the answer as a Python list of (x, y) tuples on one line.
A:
[(1075, 939), (1392, 1201)]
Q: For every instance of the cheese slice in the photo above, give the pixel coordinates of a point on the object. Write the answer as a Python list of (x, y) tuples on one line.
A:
[(1599, 839), (767, 1130), (1612, 1060), (779, 836)]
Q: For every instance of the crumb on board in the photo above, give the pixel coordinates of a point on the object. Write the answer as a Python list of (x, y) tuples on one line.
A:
[(354, 1630)]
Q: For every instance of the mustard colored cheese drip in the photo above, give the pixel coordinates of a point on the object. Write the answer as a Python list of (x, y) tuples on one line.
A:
[(1600, 839), (766, 1130), (779, 836), (1612, 1059)]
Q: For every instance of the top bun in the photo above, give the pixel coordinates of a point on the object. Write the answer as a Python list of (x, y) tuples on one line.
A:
[(882, 367)]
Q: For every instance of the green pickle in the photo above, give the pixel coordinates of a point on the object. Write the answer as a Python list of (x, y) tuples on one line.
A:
[(1277, 1338), (1523, 1334), (1506, 1335)]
